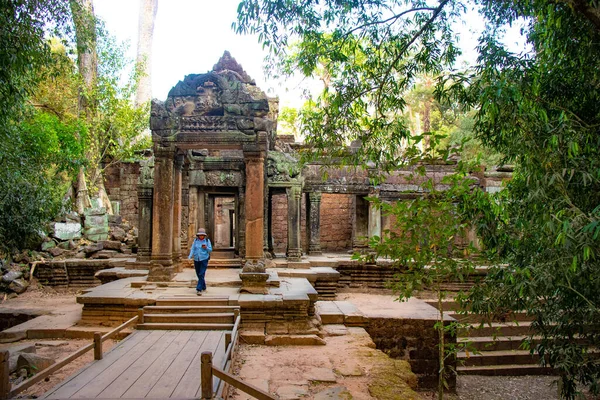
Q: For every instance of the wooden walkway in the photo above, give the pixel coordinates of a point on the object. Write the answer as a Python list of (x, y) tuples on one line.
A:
[(147, 364)]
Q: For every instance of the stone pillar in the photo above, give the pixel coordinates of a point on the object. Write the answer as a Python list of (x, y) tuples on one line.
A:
[(374, 217), (178, 164), (193, 217), (254, 205), (241, 222), (162, 213), (144, 223), (314, 223), (294, 249), (360, 222)]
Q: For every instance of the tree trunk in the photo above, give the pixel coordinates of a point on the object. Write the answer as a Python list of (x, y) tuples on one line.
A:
[(85, 32), (146, 20)]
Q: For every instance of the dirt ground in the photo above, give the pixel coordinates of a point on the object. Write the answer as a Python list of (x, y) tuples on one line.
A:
[(348, 367)]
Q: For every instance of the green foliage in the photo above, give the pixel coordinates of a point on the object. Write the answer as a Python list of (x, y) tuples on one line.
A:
[(541, 110), (361, 50), (36, 163)]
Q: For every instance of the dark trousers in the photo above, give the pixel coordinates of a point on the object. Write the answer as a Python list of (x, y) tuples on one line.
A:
[(200, 267)]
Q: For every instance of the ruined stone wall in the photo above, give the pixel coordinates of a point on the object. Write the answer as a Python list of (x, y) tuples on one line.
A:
[(416, 341), (121, 182), (336, 222), (279, 222)]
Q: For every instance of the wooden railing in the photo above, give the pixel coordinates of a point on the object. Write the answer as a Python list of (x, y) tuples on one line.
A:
[(7, 393), (208, 370)]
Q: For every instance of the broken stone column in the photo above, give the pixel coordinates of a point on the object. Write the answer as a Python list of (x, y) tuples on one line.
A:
[(162, 211), (254, 277), (294, 250), (314, 223)]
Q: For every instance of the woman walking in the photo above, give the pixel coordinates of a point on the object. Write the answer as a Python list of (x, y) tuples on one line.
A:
[(200, 252)]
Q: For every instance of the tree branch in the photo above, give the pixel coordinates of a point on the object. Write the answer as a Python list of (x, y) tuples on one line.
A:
[(591, 13), (392, 18), (386, 74)]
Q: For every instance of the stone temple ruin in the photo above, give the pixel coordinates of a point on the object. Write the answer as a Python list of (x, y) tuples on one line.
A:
[(219, 164)]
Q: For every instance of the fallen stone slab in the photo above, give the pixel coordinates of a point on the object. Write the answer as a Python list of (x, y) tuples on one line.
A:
[(18, 286), (67, 230), (113, 274), (14, 348), (51, 343), (33, 363), (335, 330), (11, 276)]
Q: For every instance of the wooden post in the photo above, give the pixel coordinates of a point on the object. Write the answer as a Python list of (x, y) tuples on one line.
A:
[(206, 375), (140, 316), (227, 339), (97, 346), (4, 374), (236, 313)]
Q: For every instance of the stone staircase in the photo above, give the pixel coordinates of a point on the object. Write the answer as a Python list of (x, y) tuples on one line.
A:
[(190, 313), (496, 347)]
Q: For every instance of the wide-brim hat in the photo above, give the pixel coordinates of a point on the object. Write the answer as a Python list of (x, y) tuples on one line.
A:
[(201, 232)]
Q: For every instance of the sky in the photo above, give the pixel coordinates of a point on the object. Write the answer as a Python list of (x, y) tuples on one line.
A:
[(189, 38), (191, 35)]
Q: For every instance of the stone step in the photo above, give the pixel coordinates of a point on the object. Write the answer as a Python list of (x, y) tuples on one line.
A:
[(473, 318), (340, 312), (496, 329), (189, 309), (204, 318), (185, 327), (505, 370), (225, 263), (491, 343), (193, 301), (501, 357)]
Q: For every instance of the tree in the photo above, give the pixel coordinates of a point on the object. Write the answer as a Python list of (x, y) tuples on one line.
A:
[(148, 9), (542, 111), (539, 109)]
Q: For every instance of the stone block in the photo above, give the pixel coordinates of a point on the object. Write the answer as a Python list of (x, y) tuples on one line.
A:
[(11, 276), (277, 328), (252, 337), (48, 245), (67, 230), (56, 251), (18, 286), (105, 254), (111, 245), (320, 375), (293, 340)]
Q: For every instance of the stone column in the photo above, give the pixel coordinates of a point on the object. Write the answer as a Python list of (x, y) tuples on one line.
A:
[(178, 164), (162, 209), (360, 223), (374, 217), (294, 196), (144, 223), (314, 223), (193, 217), (241, 222), (254, 205)]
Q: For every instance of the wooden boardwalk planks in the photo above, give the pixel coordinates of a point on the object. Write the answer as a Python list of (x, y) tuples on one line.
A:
[(148, 364)]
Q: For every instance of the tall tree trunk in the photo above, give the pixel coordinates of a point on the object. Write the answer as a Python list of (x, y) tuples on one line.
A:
[(85, 32), (146, 20)]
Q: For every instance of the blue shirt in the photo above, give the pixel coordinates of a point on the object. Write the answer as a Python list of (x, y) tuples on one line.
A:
[(197, 252)]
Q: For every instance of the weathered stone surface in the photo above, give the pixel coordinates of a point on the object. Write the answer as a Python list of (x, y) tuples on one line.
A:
[(93, 248), (56, 251), (321, 375), (33, 363), (48, 245), (118, 234), (292, 392), (252, 337), (105, 254), (334, 393), (335, 330), (67, 230), (18, 286), (11, 276)]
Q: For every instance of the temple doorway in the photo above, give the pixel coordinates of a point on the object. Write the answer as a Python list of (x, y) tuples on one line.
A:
[(222, 219)]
